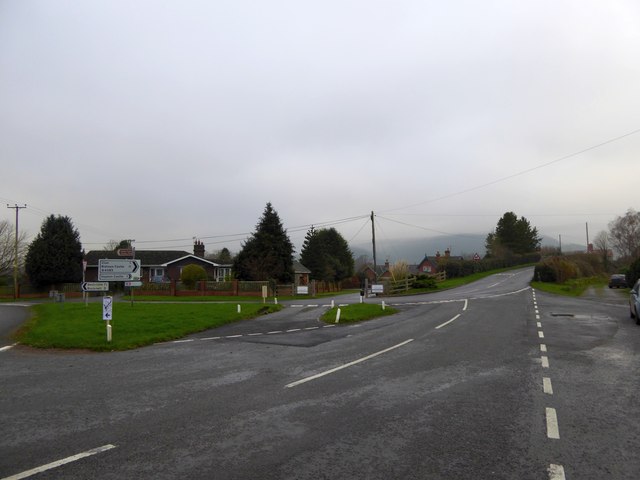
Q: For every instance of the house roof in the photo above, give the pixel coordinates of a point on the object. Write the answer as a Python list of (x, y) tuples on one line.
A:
[(148, 258), (300, 268)]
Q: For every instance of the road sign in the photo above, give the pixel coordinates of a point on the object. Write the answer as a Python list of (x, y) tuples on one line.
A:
[(118, 270), (133, 284), (125, 252), (107, 308), (94, 286)]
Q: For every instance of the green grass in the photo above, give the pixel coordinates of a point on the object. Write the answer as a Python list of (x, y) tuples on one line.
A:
[(227, 298), (357, 312), (571, 288), (76, 326)]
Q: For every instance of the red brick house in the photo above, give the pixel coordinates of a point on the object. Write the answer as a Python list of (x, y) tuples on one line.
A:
[(160, 266)]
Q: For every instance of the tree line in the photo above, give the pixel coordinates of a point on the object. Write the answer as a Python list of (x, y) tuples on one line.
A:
[(55, 255)]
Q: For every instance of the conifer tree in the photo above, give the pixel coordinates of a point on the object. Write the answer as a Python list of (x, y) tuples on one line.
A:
[(268, 253), (55, 255)]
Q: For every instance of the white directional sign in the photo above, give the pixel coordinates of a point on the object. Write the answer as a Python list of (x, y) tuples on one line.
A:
[(118, 270), (94, 286)]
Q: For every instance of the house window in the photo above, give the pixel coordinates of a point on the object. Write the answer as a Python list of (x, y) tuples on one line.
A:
[(426, 269), (156, 274)]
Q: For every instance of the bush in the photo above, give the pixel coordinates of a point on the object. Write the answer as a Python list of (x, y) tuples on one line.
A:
[(424, 281), (192, 274), (633, 274)]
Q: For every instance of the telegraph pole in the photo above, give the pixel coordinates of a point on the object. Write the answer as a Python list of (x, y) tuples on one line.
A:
[(373, 235), (17, 208)]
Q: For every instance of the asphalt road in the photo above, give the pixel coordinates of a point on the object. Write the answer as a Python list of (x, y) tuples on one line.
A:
[(491, 380)]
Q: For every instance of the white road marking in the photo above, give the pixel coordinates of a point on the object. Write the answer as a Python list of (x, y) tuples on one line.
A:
[(556, 472), (311, 328), (347, 365), (275, 331), (8, 347), (545, 361), (233, 336), (183, 341), (539, 325), (59, 463), (537, 317), (255, 334), (552, 424), (211, 338), (543, 347), (447, 322), (328, 326), (541, 334), (466, 304), (546, 385), (294, 330)]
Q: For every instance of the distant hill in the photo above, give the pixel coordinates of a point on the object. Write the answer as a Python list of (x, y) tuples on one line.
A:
[(413, 250)]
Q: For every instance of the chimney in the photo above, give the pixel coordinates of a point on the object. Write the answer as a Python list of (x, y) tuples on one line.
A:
[(386, 265), (447, 253), (438, 254), (198, 248)]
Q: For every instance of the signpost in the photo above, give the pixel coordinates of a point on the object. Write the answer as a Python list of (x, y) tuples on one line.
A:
[(94, 286), (107, 314), (118, 270)]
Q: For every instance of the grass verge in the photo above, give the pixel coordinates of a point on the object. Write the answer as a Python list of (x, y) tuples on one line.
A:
[(76, 326), (570, 288), (357, 312)]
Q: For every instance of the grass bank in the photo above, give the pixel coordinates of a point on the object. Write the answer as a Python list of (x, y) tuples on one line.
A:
[(76, 326), (357, 312), (571, 288)]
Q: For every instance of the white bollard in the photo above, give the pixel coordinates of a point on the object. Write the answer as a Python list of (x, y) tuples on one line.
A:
[(337, 316), (109, 337), (275, 300), (333, 303), (361, 299), (239, 308), (383, 306)]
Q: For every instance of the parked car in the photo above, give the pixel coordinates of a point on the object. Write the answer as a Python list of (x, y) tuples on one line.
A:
[(618, 280), (634, 302)]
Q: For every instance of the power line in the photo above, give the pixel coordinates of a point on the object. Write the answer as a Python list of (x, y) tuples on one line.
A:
[(523, 172)]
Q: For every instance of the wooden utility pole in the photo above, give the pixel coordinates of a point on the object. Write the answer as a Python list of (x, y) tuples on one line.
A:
[(373, 236), (17, 208)]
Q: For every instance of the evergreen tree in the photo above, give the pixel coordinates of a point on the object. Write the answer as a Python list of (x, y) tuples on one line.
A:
[(268, 253), (512, 235), (326, 253), (55, 255)]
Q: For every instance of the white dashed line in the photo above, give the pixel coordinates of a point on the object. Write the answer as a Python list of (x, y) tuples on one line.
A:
[(552, 424), (556, 472), (294, 330), (59, 463), (346, 365), (447, 322), (546, 386), (274, 332), (233, 336), (311, 328), (539, 325), (255, 334), (183, 341), (543, 347), (8, 347), (545, 361), (541, 334)]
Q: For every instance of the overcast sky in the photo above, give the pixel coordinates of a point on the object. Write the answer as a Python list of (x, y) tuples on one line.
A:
[(168, 120)]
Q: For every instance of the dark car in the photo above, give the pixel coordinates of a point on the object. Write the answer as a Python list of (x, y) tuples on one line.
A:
[(634, 302), (618, 280)]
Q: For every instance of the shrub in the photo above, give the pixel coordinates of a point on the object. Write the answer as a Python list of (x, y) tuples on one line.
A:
[(633, 274), (424, 281), (192, 274)]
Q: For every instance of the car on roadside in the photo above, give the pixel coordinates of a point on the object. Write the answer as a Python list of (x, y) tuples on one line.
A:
[(634, 302), (618, 280)]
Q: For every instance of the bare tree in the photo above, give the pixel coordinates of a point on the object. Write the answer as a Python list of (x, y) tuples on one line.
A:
[(603, 247), (8, 247), (624, 234), (400, 270)]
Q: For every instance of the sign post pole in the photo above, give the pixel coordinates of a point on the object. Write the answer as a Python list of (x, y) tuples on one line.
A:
[(107, 314)]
